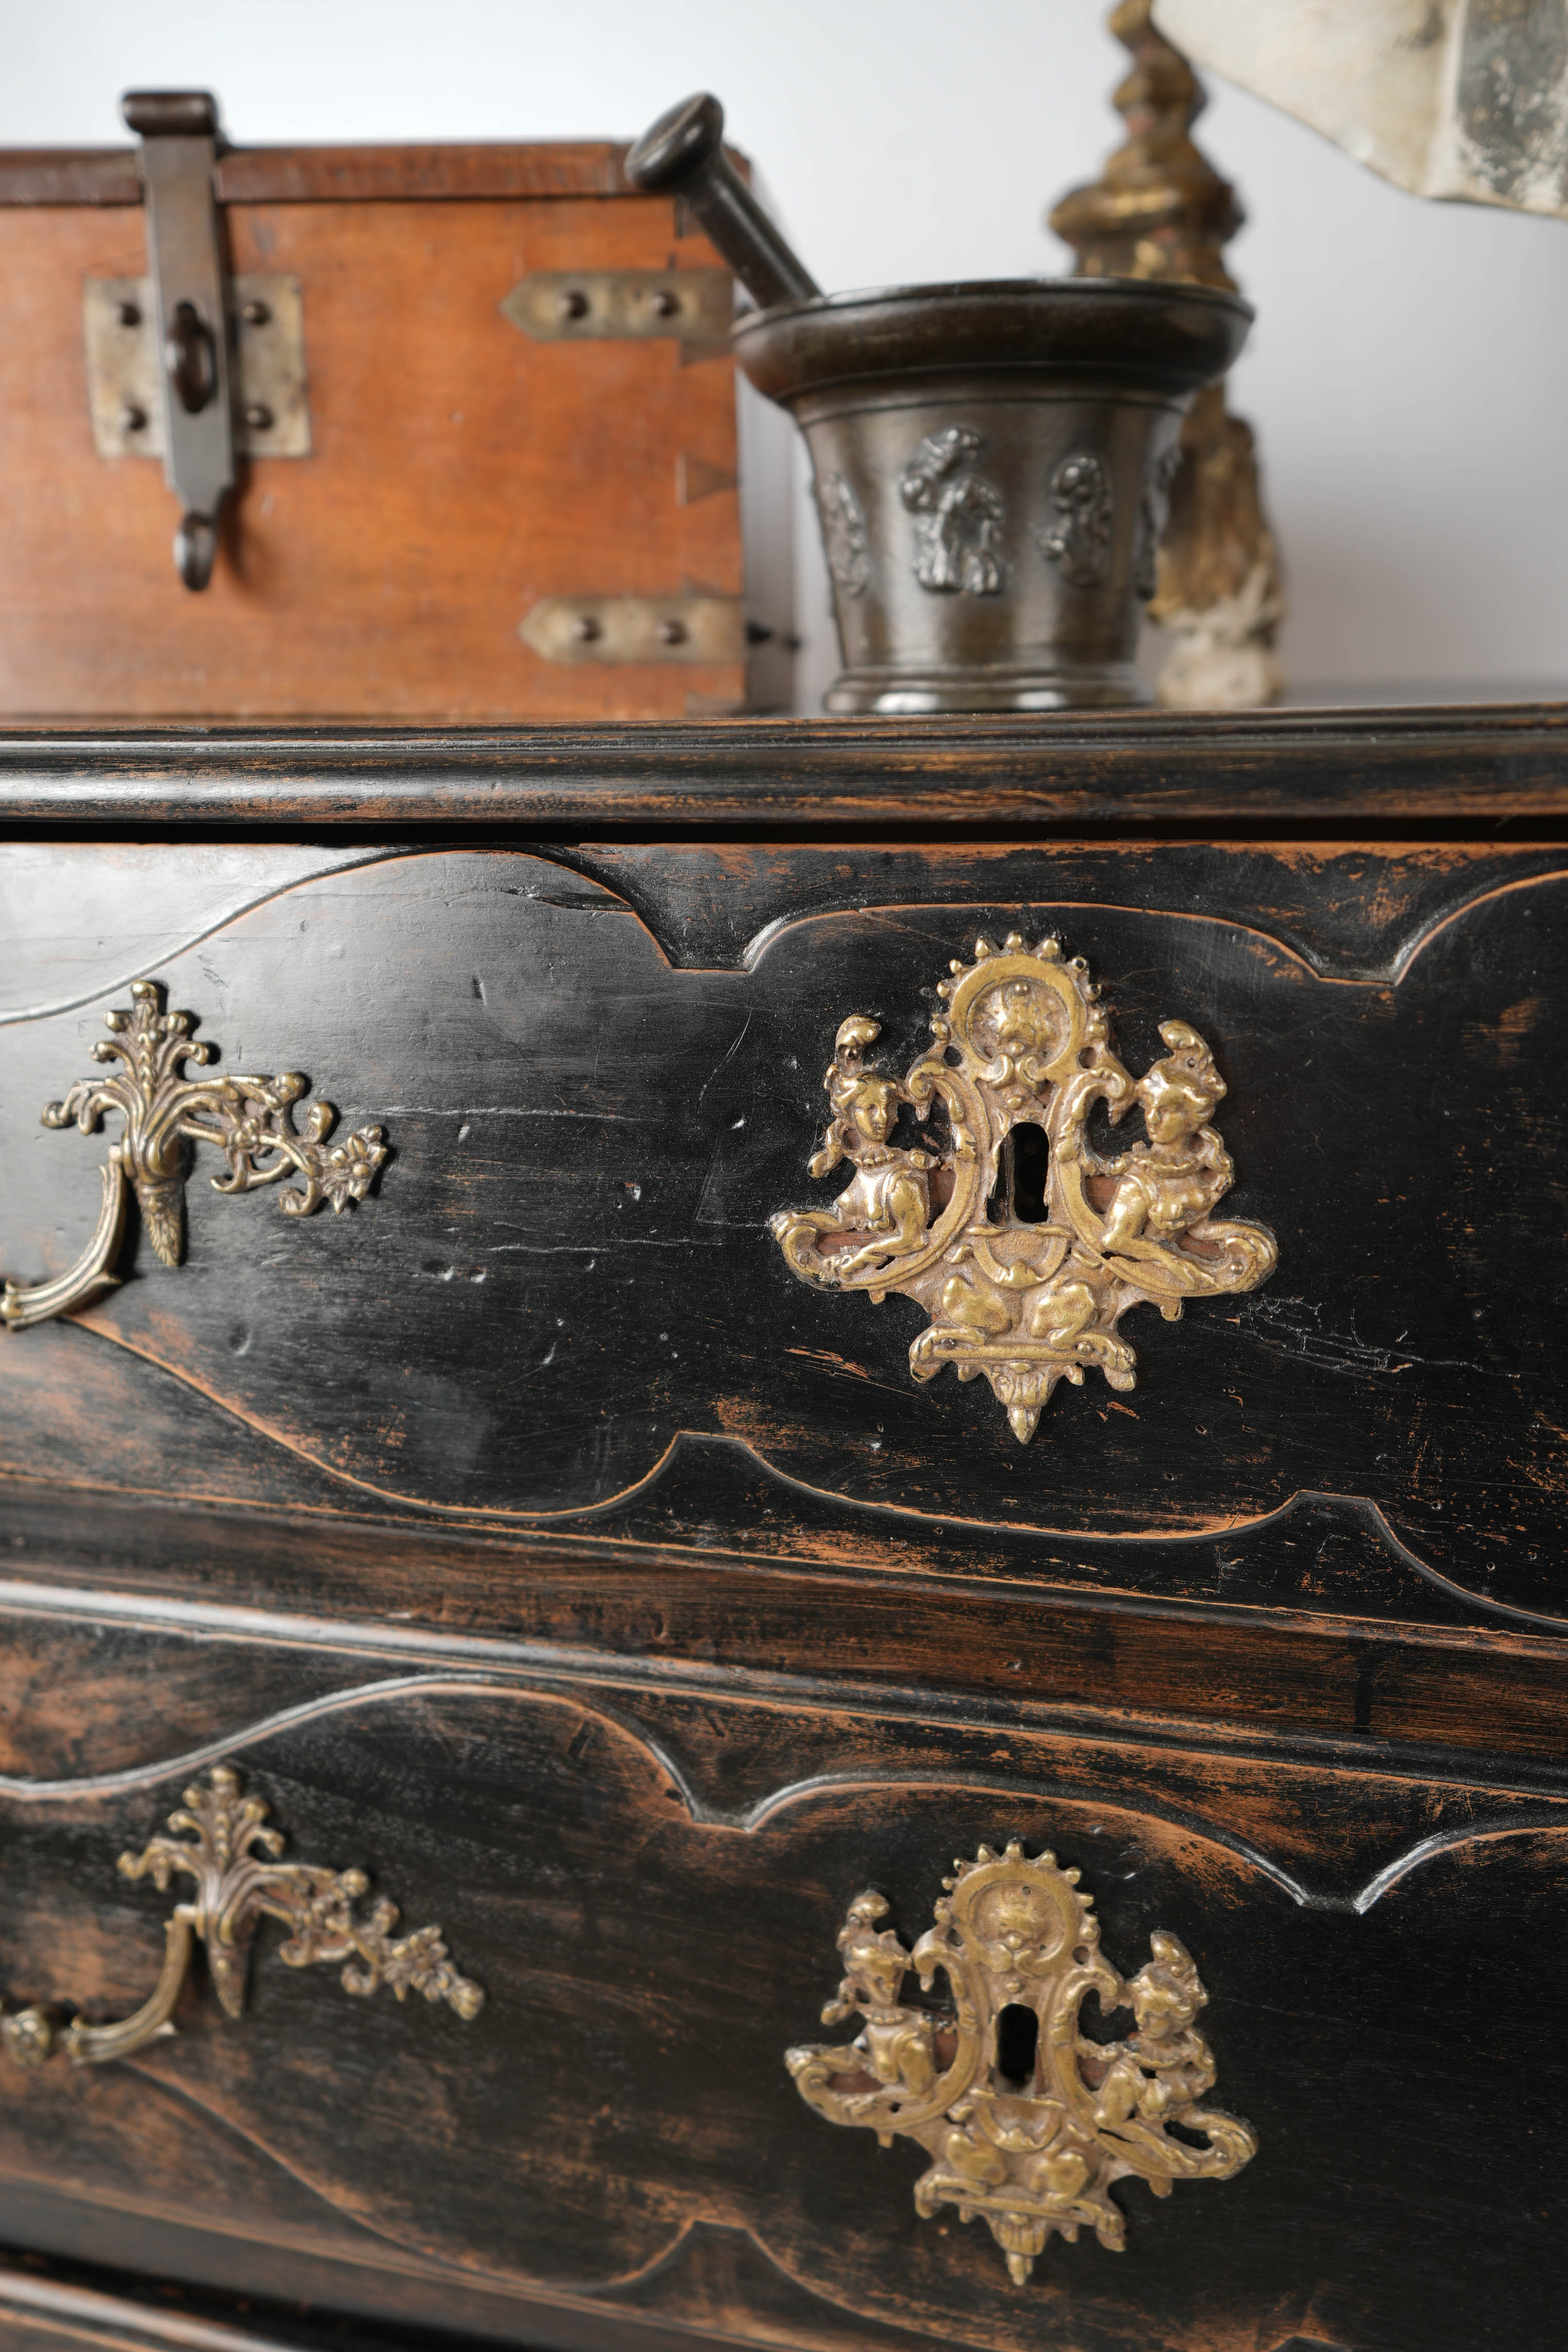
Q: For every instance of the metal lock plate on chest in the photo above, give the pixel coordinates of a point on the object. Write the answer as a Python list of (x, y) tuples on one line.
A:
[(267, 354), (165, 371)]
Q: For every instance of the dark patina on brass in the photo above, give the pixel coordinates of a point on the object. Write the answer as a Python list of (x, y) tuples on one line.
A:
[(992, 459)]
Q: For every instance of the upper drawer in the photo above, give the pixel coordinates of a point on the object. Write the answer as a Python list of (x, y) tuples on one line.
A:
[(558, 1305)]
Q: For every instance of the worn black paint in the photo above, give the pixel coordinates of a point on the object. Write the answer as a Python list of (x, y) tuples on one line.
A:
[(1281, 1662)]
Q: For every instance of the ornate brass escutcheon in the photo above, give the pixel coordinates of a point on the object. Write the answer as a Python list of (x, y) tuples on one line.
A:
[(1022, 1054), (234, 1858), (250, 1119), (1025, 2120)]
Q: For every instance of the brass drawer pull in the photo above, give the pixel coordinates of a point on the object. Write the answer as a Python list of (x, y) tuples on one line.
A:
[(1021, 1056), (1025, 2120), (250, 1119), (234, 1858)]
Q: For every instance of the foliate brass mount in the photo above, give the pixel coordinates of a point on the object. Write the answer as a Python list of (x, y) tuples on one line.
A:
[(232, 1856), (1025, 2120), (1022, 1050), (250, 1120), (558, 305)]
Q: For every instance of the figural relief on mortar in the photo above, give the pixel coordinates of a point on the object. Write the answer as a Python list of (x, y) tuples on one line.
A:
[(845, 540), (234, 1858), (1154, 515), (958, 514), (1079, 542), (250, 1120), (1025, 2119), (1023, 1044)]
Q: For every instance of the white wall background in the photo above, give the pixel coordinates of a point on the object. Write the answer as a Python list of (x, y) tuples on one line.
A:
[(1407, 373)]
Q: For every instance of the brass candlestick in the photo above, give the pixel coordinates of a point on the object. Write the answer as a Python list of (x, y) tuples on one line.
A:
[(1161, 211)]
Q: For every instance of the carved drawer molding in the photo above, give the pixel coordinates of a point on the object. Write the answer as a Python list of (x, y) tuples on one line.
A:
[(234, 1858), (250, 1119), (1021, 1056), (1026, 2119)]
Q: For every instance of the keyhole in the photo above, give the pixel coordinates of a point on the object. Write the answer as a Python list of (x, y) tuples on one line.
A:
[(1030, 1167), (1018, 2041), (1023, 1166)]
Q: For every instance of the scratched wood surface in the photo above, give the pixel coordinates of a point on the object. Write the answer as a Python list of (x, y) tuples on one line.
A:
[(1365, 1672), (631, 1658), (460, 470), (47, 2304), (1479, 774), (565, 1278), (649, 1886)]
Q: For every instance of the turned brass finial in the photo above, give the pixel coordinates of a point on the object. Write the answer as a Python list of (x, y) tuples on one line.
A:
[(1161, 210)]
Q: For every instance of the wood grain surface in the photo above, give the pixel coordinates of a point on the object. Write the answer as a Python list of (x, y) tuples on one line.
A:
[(1475, 773), (530, 1537), (565, 1272), (330, 175), (651, 1898), (460, 472)]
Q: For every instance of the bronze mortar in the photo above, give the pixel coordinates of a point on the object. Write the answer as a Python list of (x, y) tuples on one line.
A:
[(992, 460)]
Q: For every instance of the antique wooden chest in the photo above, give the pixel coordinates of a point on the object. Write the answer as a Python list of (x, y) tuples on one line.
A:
[(924, 1707), (476, 405)]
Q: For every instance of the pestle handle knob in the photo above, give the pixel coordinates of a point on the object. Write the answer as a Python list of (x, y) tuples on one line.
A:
[(683, 156), (678, 144)]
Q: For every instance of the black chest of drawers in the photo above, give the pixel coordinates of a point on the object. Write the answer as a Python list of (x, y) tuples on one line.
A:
[(1089, 1542)]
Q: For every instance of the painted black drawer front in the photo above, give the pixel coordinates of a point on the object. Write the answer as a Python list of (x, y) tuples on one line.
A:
[(647, 1886), (558, 1307)]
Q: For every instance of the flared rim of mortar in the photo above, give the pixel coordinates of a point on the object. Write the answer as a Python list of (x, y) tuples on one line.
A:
[(1143, 334)]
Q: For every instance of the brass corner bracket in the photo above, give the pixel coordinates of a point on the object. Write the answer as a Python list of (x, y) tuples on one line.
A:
[(250, 1120), (1026, 2119), (568, 306), (1021, 1056), (234, 1858)]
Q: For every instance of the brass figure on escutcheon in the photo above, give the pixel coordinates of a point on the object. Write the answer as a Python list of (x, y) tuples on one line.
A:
[(1025, 2120), (1024, 1045)]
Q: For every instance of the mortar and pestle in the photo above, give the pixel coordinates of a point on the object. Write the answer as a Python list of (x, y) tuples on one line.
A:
[(992, 459)]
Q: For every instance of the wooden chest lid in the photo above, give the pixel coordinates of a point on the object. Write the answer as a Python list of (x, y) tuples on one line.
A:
[(478, 171)]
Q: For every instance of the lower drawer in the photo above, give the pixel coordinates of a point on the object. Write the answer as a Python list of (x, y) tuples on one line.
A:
[(653, 1886)]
